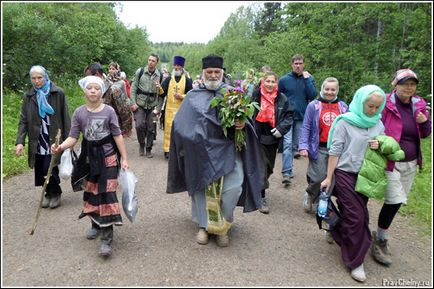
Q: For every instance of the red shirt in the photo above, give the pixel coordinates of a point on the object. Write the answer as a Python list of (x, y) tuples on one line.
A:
[(329, 112)]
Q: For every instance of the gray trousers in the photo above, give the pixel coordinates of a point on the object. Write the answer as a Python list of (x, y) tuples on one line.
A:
[(232, 189), (145, 127)]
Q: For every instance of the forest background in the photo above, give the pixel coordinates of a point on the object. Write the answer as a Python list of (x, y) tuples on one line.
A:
[(358, 43)]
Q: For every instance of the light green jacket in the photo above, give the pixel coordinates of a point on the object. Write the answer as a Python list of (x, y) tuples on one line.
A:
[(372, 180)]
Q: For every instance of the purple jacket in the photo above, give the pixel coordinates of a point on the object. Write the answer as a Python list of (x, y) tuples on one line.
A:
[(309, 135), (393, 124)]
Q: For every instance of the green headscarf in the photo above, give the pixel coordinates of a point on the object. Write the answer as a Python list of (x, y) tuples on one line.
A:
[(355, 116)]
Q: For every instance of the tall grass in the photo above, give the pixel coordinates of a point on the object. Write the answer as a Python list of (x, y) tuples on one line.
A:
[(420, 199)]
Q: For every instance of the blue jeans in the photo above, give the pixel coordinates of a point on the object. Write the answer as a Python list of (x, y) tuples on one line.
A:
[(290, 147)]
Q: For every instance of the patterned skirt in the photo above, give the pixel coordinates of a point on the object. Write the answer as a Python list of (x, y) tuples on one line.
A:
[(102, 206)]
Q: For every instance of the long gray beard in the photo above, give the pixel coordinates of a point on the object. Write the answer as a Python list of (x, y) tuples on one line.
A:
[(177, 72), (212, 84)]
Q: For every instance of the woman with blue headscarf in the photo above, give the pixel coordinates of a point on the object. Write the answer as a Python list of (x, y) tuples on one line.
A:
[(349, 137), (44, 111)]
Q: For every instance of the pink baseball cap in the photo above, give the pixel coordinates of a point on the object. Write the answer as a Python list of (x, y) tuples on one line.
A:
[(403, 75)]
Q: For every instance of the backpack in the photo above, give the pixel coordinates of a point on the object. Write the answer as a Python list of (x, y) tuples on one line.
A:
[(142, 70), (331, 220)]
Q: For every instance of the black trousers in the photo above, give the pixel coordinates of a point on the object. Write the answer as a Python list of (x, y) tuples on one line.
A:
[(42, 162)]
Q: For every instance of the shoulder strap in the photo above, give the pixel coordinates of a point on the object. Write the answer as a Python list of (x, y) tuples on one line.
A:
[(140, 74)]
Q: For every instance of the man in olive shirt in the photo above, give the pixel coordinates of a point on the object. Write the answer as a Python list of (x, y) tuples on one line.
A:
[(145, 96)]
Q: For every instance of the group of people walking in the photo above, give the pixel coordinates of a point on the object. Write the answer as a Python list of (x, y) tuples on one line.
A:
[(202, 159)]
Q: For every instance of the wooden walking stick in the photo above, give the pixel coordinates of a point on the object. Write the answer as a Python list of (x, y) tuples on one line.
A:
[(47, 179)]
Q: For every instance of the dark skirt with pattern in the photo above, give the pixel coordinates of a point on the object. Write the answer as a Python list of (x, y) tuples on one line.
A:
[(352, 234), (100, 201)]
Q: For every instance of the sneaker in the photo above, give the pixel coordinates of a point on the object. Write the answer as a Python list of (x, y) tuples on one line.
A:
[(297, 156), (358, 274), (105, 250), (149, 154), (264, 206), (202, 237), (45, 202), (329, 237), (286, 180), (222, 240), (141, 150), (55, 202), (307, 203), (380, 250), (93, 233)]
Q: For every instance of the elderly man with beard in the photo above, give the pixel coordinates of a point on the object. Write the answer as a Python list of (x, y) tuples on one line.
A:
[(175, 89), (203, 160)]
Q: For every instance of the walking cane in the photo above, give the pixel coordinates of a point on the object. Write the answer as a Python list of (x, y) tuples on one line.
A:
[(47, 179)]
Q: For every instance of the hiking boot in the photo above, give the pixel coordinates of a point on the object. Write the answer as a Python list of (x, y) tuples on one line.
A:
[(93, 233), (358, 274), (222, 240), (55, 202), (105, 250), (149, 154), (46, 202), (380, 250), (264, 208), (202, 236), (307, 203), (329, 237), (286, 180), (142, 150)]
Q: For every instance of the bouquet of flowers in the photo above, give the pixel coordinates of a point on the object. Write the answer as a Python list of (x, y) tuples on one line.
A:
[(235, 105)]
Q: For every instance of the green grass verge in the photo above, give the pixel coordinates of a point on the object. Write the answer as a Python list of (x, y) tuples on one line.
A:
[(420, 199)]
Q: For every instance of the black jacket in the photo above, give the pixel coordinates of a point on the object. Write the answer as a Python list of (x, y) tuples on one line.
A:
[(200, 153), (30, 122), (283, 117)]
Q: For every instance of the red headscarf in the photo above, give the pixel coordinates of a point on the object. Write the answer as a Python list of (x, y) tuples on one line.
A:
[(266, 114)]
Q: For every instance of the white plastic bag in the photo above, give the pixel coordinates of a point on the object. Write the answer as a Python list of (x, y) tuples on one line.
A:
[(65, 166), (127, 181)]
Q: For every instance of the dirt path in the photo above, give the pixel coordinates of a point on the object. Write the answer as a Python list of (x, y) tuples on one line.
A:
[(284, 248)]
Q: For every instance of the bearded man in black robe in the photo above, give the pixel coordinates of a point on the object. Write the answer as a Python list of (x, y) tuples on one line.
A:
[(203, 161)]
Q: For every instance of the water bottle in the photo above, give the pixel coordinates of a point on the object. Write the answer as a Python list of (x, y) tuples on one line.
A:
[(323, 203)]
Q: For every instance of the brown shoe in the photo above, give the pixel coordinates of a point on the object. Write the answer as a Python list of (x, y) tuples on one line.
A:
[(222, 240), (202, 237), (380, 250)]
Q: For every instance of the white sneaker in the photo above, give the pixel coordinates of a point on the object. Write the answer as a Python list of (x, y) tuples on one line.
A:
[(358, 274), (307, 203), (202, 237)]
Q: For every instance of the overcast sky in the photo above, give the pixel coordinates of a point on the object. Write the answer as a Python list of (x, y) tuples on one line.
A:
[(179, 21)]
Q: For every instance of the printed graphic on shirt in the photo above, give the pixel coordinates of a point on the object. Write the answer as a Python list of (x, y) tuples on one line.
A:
[(95, 129), (329, 112)]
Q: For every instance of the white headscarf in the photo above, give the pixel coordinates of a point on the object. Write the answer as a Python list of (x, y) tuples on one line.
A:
[(84, 82)]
